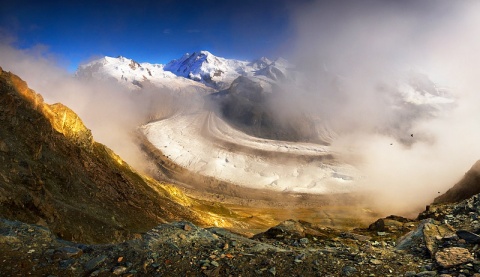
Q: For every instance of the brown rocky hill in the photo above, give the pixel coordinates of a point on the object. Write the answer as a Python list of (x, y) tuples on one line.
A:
[(468, 186), (54, 174)]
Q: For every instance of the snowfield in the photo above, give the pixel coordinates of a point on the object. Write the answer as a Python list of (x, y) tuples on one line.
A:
[(205, 144)]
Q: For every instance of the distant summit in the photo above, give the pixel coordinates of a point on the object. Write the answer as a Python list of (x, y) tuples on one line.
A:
[(134, 75), (201, 70), (218, 72)]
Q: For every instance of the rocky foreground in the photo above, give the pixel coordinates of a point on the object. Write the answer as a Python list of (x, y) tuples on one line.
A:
[(441, 242)]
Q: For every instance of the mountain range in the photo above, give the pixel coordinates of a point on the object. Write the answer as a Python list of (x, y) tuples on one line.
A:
[(245, 91), (201, 70)]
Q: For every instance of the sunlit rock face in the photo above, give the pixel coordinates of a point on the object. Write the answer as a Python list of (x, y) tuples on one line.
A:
[(62, 118), (52, 173), (70, 125)]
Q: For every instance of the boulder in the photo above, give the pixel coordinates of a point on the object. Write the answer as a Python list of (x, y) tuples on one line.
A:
[(453, 256)]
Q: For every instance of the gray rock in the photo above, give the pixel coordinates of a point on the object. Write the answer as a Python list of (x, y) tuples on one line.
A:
[(412, 238), (71, 251), (64, 264), (348, 270), (427, 273), (299, 258), (410, 274), (215, 263), (95, 262), (273, 271)]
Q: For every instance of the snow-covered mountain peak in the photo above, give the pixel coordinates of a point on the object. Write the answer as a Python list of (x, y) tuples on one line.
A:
[(281, 62), (202, 67), (260, 63), (211, 70), (134, 75)]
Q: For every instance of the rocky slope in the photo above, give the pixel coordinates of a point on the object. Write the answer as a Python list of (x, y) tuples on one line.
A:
[(443, 243), (54, 174), (469, 185)]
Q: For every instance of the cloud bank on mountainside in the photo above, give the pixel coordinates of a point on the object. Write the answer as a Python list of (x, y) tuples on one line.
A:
[(371, 47)]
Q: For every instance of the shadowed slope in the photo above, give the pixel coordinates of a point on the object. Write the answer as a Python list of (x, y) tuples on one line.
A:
[(468, 186)]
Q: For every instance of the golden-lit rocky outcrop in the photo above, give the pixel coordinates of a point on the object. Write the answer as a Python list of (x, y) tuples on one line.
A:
[(54, 174)]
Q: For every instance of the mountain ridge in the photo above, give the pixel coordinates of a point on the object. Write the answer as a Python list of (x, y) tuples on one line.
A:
[(196, 69)]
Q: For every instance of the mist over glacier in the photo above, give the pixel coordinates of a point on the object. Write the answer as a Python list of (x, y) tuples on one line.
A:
[(373, 46), (352, 57)]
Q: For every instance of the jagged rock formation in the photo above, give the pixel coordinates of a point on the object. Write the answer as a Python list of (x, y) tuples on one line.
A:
[(54, 174)]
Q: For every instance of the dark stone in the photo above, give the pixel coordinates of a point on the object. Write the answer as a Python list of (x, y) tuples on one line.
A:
[(95, 262), (71, 252), (348, 270), (469, 237), (64, 264), (4, 147)]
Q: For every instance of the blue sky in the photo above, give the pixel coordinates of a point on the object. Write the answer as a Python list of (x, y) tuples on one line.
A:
[(153, 31)]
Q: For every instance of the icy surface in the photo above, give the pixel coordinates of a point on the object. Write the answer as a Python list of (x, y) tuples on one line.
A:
[(205, 144)]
